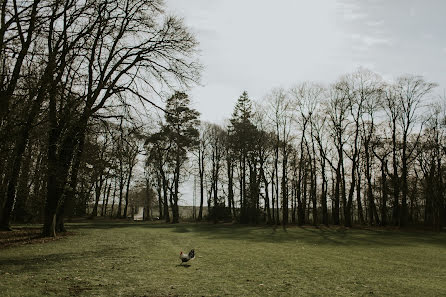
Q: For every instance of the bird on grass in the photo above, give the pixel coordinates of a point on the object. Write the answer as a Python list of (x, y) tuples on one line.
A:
[(186, 257)]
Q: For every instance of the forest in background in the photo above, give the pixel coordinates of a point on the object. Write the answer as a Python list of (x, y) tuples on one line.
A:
[(77, 115), (360, 151)]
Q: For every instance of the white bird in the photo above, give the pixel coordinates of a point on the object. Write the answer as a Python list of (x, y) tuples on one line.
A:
[(186, 257)]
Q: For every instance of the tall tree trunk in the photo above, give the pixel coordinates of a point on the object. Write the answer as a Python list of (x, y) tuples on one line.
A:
[(358, 197), (97, 189), (69, 200), (293, 199), (20, 211), (159, 190), (314, 193), (105, 204), (276, 169), (175, 211), (267, 206), (404, 216), (127, 190), (201, 174), (324, 194), (273, 200), (336, 211), (114, 198), (284, 187), (230, 169), (441, 200), (166, 202), (104, 195), (383, 192), (395, 178), (215, 184), (305, 195), (16, 163), (300, 206), (121, 187), (58, 168)]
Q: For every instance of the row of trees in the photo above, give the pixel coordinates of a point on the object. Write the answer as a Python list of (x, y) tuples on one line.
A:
[(65, 66), (105, 170), (361, 151), (75, 80)]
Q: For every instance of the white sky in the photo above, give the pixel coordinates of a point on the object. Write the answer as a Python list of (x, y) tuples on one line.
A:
[(256, 45)]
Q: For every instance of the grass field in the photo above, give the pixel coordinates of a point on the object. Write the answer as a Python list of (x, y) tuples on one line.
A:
[(141, 259)]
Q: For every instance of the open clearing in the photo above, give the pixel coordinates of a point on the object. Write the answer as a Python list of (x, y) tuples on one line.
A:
[(141, 259)]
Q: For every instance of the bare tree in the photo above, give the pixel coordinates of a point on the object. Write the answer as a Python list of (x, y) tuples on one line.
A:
[(411, 91), (337, 110), (113, 60)]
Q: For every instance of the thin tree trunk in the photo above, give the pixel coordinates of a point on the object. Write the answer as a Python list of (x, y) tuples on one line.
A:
[(114, 198), (358, 197), (324, 194), (273, 200), (98, 188), (20, 211), (201, 174), (105, 205), (284, 187), (127, 190)]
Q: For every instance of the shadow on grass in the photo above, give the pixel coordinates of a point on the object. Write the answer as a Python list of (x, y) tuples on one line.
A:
[(183, 265), (36, 263), (334, 235)]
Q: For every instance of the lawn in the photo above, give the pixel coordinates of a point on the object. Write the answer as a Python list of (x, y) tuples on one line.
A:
[(141, 259)]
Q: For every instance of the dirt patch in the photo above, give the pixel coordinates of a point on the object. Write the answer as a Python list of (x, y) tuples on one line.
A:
[(23, 236)]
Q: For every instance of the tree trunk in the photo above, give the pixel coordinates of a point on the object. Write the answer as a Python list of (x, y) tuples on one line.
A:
[(300, 207), (58, 169), (383, 193), (114, 198), (395, 178), (267, 206), (127, 190), (201, 174), (20, 211), (230, 169), (304, 215), (175, 211), (284, 187), (121, 187), (273, 200), (69, 201), (159, 190), (15, 165), (336, 210), (97, 188), (166, 203), (324, 195), (104, 195), (404, 216), (105, 204), (276, 169), (358, 198)]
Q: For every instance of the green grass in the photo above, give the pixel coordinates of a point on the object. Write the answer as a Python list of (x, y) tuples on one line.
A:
[(141, 259)]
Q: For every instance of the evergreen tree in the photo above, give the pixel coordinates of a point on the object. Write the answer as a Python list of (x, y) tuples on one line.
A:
[(182, 130), (243, 141)]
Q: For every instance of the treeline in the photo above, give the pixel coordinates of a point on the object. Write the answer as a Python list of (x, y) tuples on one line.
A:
[(361, 151), (75, 77), (75, 89)]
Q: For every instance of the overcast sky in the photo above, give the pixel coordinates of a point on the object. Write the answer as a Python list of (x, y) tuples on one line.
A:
[(256, 45)]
